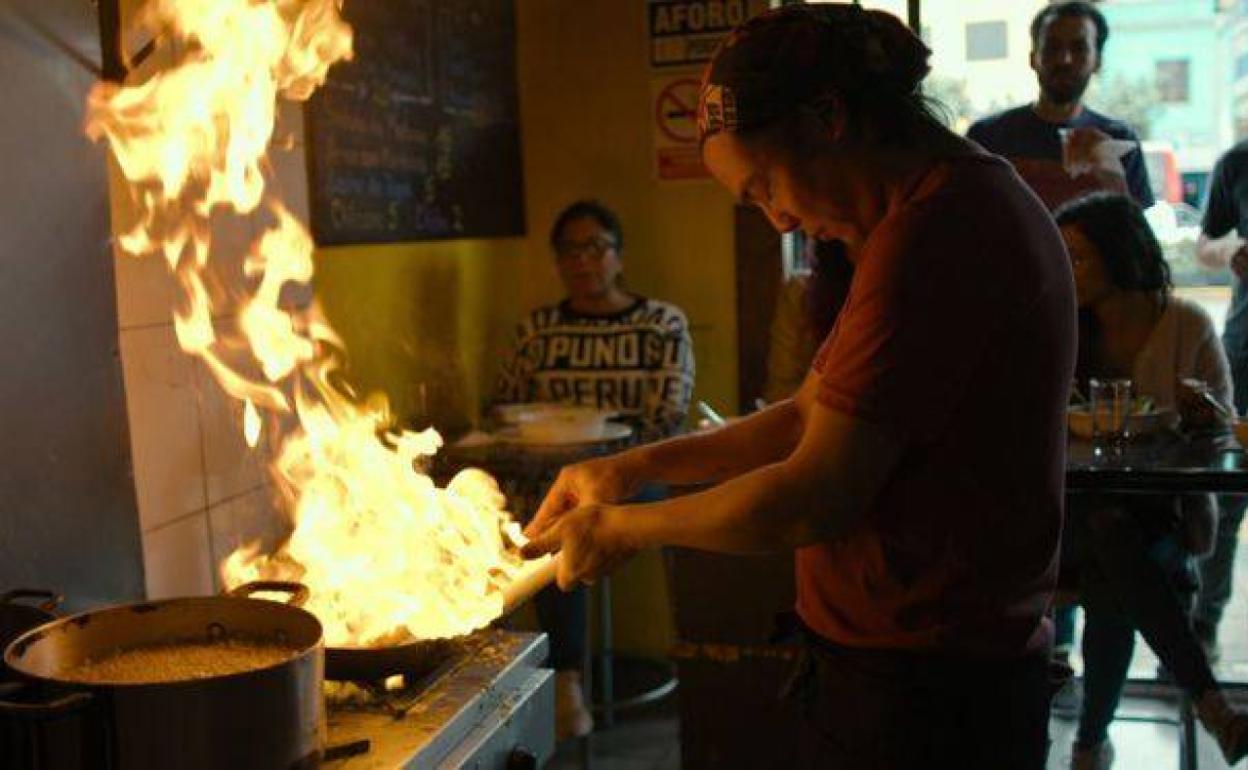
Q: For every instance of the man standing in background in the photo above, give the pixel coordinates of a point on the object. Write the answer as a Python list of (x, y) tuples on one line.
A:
[(1061, 148), (1048, 139), (1222, 245)]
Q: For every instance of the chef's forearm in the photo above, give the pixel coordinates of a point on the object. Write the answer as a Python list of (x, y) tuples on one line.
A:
[(769, 509), (764, 437)]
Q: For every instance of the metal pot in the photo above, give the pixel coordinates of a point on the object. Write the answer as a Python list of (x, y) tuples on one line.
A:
[(18, 617), (268, 717)]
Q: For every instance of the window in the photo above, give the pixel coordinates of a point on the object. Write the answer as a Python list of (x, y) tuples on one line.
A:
[(986, 41), (1172, 80)]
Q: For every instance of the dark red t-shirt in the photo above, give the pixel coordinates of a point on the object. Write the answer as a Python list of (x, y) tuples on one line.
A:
[(958, 338)]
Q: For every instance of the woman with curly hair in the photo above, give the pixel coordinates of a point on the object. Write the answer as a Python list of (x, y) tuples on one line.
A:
[(1133, 555)]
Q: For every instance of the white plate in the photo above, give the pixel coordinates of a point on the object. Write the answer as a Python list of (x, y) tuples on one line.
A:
[(514, 414), (612, 431)]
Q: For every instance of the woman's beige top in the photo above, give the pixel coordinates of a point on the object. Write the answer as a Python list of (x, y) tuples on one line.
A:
[(1183, 344)]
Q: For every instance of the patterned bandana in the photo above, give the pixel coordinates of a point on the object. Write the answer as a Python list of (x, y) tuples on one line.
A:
[(792, 55)]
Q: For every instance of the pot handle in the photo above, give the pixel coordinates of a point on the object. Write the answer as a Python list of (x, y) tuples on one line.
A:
[(299, 593), (58, 707), (50, 599)]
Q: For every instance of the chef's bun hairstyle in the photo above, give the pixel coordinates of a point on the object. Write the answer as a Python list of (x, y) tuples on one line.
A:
[(804, 58)]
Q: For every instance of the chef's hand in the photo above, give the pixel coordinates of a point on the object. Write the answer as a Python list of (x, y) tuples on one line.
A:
[(590, 543), (603, 480)]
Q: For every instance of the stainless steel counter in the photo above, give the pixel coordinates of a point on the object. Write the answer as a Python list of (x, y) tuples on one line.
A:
[(494, 707)]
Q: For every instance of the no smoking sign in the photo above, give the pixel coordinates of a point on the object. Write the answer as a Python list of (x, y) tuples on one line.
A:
[(676, 110), (676, 127)]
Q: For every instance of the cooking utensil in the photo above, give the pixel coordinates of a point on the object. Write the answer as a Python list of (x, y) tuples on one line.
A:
[(414, 659), (267, 717)]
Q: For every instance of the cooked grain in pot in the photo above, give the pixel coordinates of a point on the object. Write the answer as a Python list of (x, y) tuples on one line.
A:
[(179, 661)]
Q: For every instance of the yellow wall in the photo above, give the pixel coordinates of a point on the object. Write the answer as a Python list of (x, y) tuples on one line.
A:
[(442, 312)]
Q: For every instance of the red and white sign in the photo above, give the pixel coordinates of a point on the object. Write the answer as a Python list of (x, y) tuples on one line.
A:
[(675, 115)]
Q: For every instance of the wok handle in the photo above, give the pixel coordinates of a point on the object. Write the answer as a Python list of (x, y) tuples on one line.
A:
[(299, 593), (535, 576), (50, 599), (58, 707)]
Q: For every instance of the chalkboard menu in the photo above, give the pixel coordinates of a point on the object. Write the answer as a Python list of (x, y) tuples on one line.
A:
[(418, 137)]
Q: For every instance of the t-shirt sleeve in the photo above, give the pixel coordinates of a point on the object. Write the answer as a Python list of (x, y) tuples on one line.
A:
[(1220, 208), (915, 328)]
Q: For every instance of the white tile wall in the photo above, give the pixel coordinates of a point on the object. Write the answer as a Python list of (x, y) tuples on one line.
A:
[(290, 180), (232, 236), (177, 558), (244, 519), (164, 426), (289, 128), (202, 492), (145, 290), (145, 287), (230, 466)]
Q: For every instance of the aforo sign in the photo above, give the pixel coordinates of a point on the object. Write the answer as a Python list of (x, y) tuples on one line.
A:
[(688, 32), (685, 33)]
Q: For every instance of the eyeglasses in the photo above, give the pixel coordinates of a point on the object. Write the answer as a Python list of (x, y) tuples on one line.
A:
[(594, 247)]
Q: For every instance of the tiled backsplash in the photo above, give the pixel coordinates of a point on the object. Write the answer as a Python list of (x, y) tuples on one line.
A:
[(201, 491)]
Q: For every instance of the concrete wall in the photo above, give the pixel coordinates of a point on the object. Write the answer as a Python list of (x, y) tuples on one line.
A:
[(67, 505)]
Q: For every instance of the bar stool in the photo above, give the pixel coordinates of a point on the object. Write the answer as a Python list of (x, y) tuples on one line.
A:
[(649, 680), (652, 680)]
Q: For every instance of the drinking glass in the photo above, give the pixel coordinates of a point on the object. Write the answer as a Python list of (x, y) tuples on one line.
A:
[(1111, 407)]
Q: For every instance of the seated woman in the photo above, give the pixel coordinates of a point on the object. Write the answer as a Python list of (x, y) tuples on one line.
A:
[(806, 309), (1133, 554), (644, 373)]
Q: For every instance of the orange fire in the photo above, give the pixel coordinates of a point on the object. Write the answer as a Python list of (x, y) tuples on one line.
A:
[(388, 555)]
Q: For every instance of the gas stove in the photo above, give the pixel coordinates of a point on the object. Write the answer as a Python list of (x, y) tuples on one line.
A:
[(490, 706)]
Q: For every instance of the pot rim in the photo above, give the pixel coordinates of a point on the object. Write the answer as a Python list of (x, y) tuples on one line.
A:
[(17, 647)]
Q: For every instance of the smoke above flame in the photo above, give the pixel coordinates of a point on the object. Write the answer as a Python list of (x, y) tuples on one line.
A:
[(387, 554)]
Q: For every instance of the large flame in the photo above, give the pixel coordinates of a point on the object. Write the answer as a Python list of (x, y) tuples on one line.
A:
[(386, 553)]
